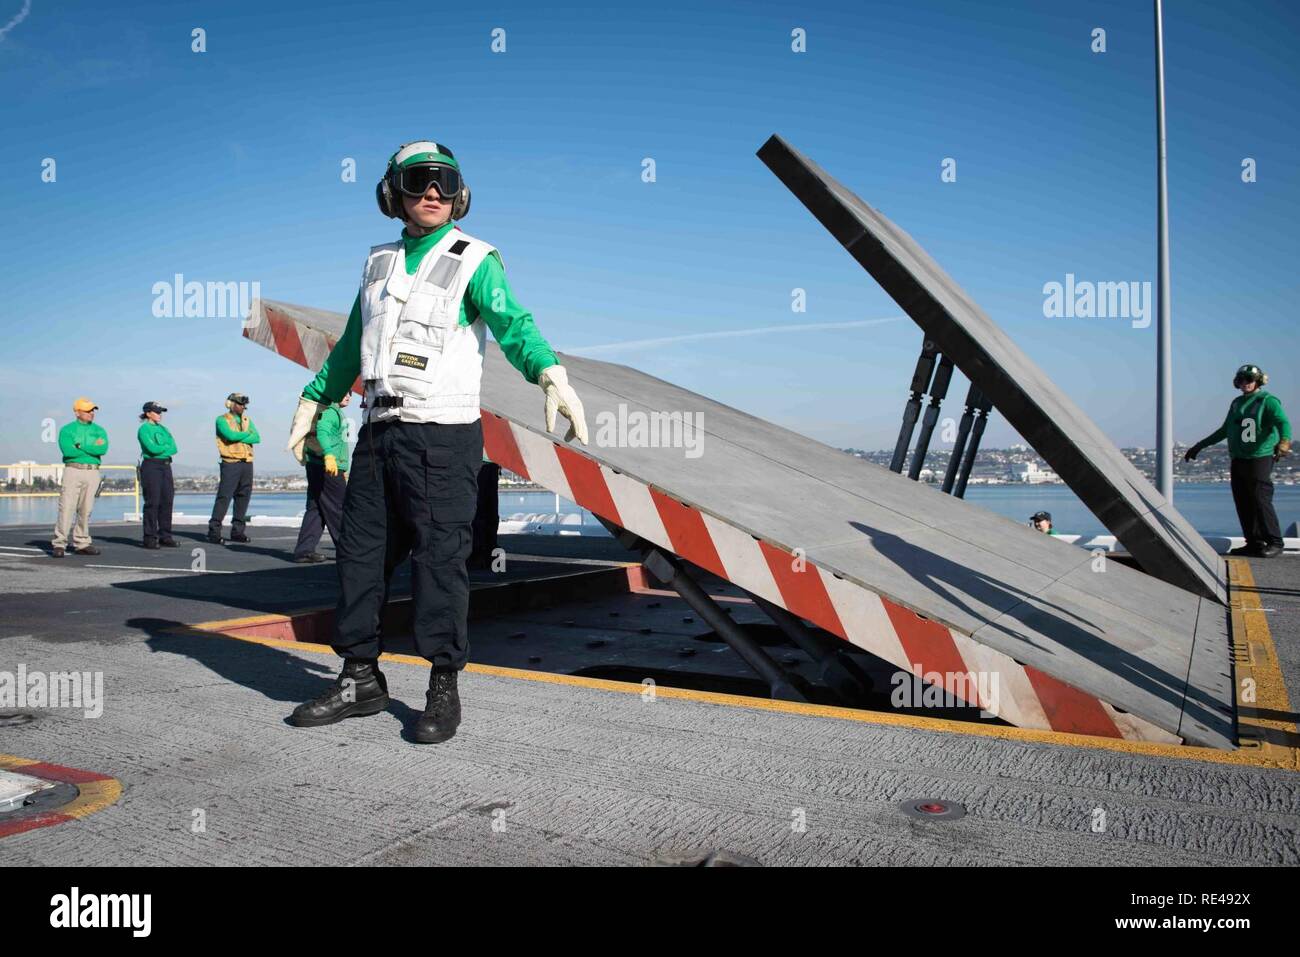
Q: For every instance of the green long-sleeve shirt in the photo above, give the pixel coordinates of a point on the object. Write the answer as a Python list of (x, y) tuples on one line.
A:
[(1254, 425), (83, 442), (512, 325), (332, 435), (156, 441), (232, 434)]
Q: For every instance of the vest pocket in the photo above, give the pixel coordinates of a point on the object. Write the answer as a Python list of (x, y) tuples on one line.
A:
[(411, 367), (426, 335)]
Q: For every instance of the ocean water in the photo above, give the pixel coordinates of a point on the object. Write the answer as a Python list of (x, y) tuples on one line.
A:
[(1207, 506)]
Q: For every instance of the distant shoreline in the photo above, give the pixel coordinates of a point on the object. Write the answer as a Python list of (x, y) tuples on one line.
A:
[(1022, 486)]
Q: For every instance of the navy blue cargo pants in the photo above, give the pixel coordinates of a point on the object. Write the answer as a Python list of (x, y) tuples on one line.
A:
[(412, 489)]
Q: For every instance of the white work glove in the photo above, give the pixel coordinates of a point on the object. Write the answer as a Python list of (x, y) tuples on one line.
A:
[(560, 397), (304, 422)]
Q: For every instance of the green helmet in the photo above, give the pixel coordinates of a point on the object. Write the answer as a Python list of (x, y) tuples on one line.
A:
[(1249, 373), (435, 165)]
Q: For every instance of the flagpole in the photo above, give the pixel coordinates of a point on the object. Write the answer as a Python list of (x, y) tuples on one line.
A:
[(1164, 367)]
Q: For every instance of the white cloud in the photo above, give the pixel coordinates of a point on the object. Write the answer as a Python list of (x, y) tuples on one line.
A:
[(639, 344), (22, 15)]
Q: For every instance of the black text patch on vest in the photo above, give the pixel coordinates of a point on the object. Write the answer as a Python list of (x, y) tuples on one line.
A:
[(458, 247), (410, 361)]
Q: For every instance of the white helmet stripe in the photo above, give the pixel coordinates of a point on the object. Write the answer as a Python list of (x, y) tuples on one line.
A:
[(410, 149)]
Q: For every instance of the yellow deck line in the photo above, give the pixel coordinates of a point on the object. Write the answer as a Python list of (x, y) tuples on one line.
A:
[(94, 796), (1255, 660), (1272, 756), (271, 618)]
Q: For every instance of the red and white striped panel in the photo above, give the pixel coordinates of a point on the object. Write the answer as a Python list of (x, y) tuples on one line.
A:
[(278, 331), (1025, 696)]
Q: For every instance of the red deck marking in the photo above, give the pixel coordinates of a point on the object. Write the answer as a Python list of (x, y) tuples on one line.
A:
[(70, 810), (500, 445), (687, 533), (931, 646), (1069, 709), (57, 772), (803, 592), (587, 484), (32, 823), (285, 332)]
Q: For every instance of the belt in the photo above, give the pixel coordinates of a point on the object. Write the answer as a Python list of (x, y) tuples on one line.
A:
[(164, 459), (80, 465), (396, 401)]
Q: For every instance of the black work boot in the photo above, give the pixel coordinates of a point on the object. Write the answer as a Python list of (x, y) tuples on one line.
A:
[(360, 689), (442, 710)]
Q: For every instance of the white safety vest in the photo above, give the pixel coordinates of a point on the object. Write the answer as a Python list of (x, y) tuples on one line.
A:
[(412, 343)]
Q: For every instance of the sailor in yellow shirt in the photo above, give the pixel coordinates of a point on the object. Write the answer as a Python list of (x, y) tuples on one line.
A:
[(236, 436)]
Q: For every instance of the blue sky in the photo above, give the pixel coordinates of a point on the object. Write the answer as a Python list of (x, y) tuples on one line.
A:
[(225, 166)]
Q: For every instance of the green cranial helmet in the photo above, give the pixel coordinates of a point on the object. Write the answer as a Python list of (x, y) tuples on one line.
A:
[(1249, 373), (416, 167)]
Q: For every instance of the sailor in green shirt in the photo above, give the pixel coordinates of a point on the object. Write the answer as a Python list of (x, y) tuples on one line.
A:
[(156, 450), (326, 459), (1258, 433), (83, 444), (1043, 522), (415, 340)]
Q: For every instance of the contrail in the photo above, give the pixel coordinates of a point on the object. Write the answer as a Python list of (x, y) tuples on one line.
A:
[(726, 334), (22, 15)]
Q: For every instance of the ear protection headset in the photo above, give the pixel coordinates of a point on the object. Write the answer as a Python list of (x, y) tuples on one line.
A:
[(389, 197)]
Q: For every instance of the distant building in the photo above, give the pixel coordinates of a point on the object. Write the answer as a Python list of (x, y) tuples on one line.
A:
[(26, 472), (1030, 472)]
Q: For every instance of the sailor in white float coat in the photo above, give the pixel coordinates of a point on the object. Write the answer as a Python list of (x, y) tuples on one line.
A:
[(415, 338)]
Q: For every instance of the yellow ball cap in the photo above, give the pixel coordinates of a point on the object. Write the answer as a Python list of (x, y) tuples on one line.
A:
[(84, 405)]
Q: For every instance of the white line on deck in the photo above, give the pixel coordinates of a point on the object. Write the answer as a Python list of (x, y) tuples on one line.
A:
[(162, 568)]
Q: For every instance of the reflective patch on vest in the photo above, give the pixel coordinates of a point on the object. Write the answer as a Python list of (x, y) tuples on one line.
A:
[(411, 361), (444, 271), (458, 247), (379, 267)]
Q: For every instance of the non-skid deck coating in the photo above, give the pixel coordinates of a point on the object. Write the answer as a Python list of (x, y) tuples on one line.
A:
[(547, 772), (895, 566), (1152, 530)]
